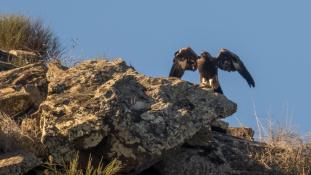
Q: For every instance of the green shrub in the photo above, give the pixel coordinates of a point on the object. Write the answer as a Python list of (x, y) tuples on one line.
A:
[(22, 33)]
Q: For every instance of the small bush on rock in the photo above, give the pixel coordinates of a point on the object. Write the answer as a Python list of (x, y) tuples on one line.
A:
[(22, 33)]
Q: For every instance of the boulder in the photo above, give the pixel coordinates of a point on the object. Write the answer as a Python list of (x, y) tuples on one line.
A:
[(18, 163), (23, 57), (241, 132), (23, 54), (220, 154), (107, 109), (220, 126)]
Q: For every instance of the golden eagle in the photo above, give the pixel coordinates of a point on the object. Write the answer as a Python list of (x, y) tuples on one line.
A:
[(187, 59)]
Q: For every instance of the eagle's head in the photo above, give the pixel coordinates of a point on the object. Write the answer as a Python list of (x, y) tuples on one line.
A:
[(206, 56)]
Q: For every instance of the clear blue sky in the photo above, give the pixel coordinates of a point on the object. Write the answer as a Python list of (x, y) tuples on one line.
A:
[(273, 38)]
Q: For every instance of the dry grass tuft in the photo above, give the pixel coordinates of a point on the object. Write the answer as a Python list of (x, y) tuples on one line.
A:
[(73, 168), (10, 134), (286, 151), (14, 137)]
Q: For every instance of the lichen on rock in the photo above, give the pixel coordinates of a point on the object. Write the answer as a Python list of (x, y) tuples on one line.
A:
[(109, 110), (97, 100)]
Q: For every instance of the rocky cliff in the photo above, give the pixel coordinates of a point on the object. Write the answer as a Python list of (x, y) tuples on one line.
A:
[(107, 109)]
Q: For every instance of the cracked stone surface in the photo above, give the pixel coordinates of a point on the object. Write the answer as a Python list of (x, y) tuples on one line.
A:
[(107, 109)]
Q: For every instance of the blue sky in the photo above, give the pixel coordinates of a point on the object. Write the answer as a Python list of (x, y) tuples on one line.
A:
[(273, 38)]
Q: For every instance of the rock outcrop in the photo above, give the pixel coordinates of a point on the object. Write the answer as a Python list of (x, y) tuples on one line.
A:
[(24, 54), (242, 132), (23, 89), (107, 109), (18, 162), (16, 58), (219, 154)]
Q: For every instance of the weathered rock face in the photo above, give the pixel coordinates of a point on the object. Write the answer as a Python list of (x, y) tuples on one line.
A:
[(11, 59), (22, 89), (107, 108), (4, 55), (17, 163), (6, 66), (24, 54), (243, 133), (218, 154)]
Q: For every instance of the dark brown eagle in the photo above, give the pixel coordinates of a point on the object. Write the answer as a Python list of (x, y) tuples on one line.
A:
[(228, 61), (185, 59)]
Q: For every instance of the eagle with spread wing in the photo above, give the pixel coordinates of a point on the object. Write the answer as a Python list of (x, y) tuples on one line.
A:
[(184, 59), (228, 61)]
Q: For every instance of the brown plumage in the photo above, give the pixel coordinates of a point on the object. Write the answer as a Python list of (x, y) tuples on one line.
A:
[(228, 61), (184, 59)]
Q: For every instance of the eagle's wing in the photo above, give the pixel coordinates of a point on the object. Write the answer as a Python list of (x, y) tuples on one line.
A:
[(229, 61), (176, 70), (186, 52), (185, 59)]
